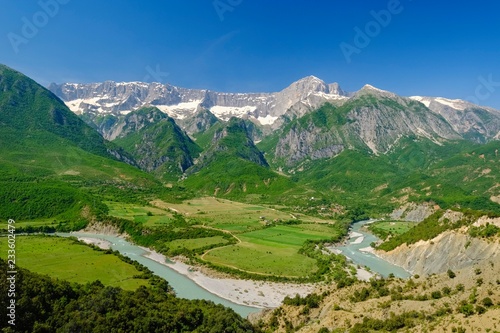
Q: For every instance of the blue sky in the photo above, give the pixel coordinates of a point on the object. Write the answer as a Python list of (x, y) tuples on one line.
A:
[(422, 48)]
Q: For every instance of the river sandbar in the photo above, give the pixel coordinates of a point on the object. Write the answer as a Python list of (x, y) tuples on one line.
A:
[(260, 294)]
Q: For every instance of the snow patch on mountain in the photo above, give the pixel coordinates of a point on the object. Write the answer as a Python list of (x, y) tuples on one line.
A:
[(457, 104), (424, 100), (267, 120), (330, 96), (226, 112), (181, 110), (180, 103)]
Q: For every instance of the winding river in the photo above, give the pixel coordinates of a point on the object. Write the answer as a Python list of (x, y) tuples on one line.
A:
[(186, 288), (183, 286), (358, 250)]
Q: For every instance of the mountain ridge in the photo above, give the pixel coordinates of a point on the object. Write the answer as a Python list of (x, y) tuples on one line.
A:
[(268, 110)]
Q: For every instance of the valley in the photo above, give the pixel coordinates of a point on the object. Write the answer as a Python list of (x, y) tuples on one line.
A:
[(255, 191)]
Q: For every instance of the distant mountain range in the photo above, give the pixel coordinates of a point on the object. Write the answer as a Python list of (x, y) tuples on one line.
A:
[(369, 148), (180, 103), (266, 109)]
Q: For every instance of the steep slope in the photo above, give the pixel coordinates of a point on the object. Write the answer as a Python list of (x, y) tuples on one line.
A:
[(232, 140), (473, 122), (156, 142), (201, 121), (232, 166), (92, 100), (28, 108), (372, 120), (51, 162)]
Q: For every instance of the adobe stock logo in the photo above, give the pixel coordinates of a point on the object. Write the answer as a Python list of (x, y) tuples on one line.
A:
[(31, 27), (484, 90), (223, 6), (372, 29), (157, 75)]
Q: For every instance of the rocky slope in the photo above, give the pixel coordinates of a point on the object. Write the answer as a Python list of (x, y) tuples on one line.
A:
[(452, 249), (373, 120), (156, 142), (435, 304), (231, 141), (471, 121), (180, 103)]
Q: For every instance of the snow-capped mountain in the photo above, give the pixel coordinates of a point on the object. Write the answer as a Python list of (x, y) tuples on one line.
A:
[(474, 122), (470, 121), (179, 103)]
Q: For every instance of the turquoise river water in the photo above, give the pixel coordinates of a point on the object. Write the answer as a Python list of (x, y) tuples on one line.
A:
[(352, 250), (183, 286), (186, 288)]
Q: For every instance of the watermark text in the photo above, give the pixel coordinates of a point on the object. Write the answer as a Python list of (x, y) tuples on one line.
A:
[(372, 29), (11, 272), (32, 26), (223, 6)]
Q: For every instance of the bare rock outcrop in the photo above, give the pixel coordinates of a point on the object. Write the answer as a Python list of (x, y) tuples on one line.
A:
[(102, 229), (413, 212), (450, 250)]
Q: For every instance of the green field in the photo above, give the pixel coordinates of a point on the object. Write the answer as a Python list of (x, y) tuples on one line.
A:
[(156, 217), (64, 259), (272, 251), (268, 240), (192, 244), (261, 258), (385, 228), (294, 235), (230, 215)]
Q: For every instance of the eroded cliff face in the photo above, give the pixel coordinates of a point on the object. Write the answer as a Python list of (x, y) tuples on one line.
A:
[(450, 250), (96, 227), (312, 143), (413, 212)]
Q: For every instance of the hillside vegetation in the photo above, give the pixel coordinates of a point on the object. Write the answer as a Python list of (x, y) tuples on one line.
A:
[(48, 305)]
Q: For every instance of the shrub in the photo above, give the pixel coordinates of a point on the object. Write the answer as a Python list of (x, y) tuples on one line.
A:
[(436, 294), (466, 309), (487, 302), (451, 274)]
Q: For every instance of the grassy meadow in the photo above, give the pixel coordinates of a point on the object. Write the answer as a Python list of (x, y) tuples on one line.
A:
[(65, 259), (393, 228), (268, 240)]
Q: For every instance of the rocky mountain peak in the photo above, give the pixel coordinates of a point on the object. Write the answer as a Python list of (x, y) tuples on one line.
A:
[(368, 89), (334, 88), (308, 85)]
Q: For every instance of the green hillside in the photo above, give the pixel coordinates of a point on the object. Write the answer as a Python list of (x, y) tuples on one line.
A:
[(157, 144), (459, 173), (52, 164)]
